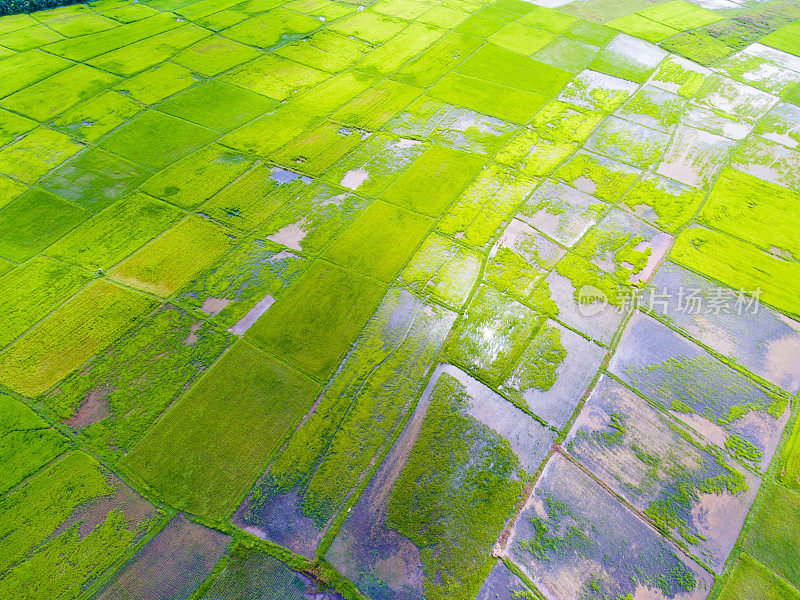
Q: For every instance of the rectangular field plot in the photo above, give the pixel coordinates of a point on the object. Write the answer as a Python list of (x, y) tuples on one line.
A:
[(682, 486), (740, 265), (375, 163), (561, 212), (69, 336), (156, 140), (110, 404), (251, 574), (194, 179), (628, 58), (443, 269), (32, 290), (255, 271), (534, 154), (171, 565), (427, 521), (98, 115), (315, 322), (441, 172), (173, 259), (64, 528), (723, 405), (275, 77), (666, 203), (694, 156), (27, 442), (602, 177), (629, 142), (36, 154), (624, 246), (230, 422), (267, 29), (574, 539), (597, 91), (553, 372), (763, 341), (213, 55), (751, 579), (318, 147), (326, 51), (94, 179), (358, 413), (477, 215), (782, 125), (769, 161)]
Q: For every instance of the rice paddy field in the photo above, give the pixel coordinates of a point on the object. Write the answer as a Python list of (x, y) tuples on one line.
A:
[(400, 300)]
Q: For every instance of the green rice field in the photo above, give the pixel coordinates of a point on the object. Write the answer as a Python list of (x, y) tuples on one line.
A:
[(400, 300)]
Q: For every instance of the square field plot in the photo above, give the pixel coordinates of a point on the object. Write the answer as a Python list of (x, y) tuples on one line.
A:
[(214, 55), (72, 334), (573, 537), (95, 178), (155, 140), (170, 261), (629, 142), (723, 405), (683, 486), (769, 161), (598, 91), (379, 241), (422, 497), (694, 157), (763, 341), (35, 220), (231, 421), (354, 421), (275, 77), (562, 212), (217, 105), (782, 125), (664, 202), (628, 58), (732, 98), (603, 177), (316, 321)]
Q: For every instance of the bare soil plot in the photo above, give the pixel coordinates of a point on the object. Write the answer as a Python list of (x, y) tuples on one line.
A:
[(764, 341), (723, 405), (171, 565), (683, 486), (574, 539)]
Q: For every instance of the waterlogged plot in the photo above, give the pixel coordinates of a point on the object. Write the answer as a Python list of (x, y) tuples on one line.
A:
[(782, 125), (66, 527), (732, 98), (111, 403), (694, 156), (561, 212), (666, 203), (359, 411), (726, 320), (553, 372), (654, 108), (760, 73), (254, 271), (371, 166), (574, 539), (171, 565), (503, 584), (477, 215), (679, 76), (723, 405), (682, 486), (629, 142), (471, 131), (251, 574), (628, 58), (239, 412), (491, 336), (769, 161), (533, 153), (597, 91), (427, 521), (624, 246), (602, 177), (566, 122), (443, 269), (567, 54), (310, 221), (27, 442)]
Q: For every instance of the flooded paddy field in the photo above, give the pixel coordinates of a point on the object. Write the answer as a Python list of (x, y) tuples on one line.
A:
[(400, 299)]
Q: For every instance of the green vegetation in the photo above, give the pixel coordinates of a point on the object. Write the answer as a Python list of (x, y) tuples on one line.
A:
[(750, 579), (608, 179), (740, 265), (673, 206), (27, 443), (170, 261), (231, 421), (463, 477), (316, 321), (63, 341)]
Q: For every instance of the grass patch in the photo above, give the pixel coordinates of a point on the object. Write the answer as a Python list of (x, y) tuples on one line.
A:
[(214, 55), (92, 119), (437, 60), (231, 421), (36, 154), (325, 50), (750, 579), (155, 84), (369, 26)]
